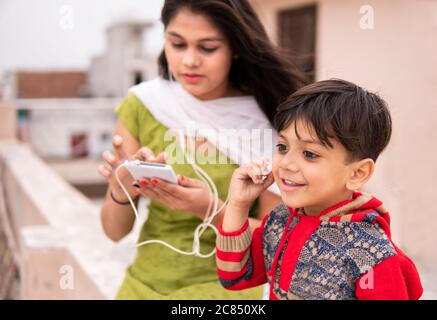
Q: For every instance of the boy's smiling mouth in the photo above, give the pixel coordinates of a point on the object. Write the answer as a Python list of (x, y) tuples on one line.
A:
[(288, 184)]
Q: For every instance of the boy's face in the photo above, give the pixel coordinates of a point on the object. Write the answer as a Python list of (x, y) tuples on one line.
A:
[(309, 174)]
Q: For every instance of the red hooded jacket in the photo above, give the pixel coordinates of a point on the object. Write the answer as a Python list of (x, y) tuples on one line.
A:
[(344, 253)]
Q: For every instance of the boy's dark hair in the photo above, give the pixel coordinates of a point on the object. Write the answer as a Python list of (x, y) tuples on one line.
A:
[(358, 119)]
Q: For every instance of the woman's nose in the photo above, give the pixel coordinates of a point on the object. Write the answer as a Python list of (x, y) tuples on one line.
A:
[(191, 59)]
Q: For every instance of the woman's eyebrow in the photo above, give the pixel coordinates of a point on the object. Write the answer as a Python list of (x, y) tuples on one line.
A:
[(212, 38), (172, 33)]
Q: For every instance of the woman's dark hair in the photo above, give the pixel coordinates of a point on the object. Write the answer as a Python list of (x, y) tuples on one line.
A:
[(338, 109), (260, 69)]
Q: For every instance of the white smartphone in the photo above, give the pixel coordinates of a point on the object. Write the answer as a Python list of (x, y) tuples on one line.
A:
[(140, 169)]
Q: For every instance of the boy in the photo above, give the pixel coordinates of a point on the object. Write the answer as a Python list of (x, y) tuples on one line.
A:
[(326, 240)]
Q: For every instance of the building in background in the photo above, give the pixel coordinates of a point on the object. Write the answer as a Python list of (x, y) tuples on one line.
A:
[(50, 84), (125, 62), (69, 114)]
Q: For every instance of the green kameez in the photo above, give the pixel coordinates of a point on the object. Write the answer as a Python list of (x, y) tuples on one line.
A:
[(158, 272)]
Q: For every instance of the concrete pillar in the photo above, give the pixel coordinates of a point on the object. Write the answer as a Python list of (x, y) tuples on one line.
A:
[(8, 121)]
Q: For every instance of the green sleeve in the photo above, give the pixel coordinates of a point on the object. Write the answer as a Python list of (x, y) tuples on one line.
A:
[(128, 112)]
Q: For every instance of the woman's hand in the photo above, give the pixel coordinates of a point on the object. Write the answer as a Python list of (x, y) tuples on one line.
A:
[(190, 195), (114, 159), (247, 184)]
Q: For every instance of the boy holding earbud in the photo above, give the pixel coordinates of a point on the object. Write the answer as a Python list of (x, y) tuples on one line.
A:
[(326, 240)]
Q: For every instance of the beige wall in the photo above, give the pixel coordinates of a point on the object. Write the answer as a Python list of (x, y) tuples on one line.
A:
[(398, 59)]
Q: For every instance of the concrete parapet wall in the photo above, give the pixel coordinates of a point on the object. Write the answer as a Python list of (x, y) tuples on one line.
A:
[(61, 248)]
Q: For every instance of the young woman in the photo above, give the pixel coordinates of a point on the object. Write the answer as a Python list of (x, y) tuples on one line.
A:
[(219, 69)]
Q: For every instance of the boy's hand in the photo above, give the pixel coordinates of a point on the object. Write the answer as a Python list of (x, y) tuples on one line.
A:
[(247, 184)]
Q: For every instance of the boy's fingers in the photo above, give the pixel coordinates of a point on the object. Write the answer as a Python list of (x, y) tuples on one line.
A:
[(258, 168), (117, 144), (245, 170), (269, 180), (253, 173), (257, 174)]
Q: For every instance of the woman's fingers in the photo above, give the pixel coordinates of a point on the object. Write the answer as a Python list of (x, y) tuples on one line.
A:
[(103, 170), (167, 188), (189, 183), (145, 154), (161, 158), (152, 191), (117, 144), (166, 198), (143, 186), (109, 157), (162, 188)]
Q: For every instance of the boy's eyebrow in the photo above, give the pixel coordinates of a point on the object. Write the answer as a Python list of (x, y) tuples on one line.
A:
[(309, 141), (282, 136), (213, 38), (313, 142)]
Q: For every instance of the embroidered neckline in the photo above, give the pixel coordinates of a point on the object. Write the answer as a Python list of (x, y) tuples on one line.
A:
[(357, 202)]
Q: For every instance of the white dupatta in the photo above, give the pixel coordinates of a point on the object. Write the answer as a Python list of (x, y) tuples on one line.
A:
[(235, 126)]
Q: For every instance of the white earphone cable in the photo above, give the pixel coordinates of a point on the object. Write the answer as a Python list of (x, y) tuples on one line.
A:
[(210, 214)]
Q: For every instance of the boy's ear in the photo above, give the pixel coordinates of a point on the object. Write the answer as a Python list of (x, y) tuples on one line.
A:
[(361, 171)]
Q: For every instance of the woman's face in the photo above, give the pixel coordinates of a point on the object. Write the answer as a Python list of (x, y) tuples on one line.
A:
[(199, 55)]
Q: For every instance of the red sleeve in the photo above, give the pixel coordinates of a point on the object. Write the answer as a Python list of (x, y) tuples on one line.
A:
[(395, 278), (240, 260)]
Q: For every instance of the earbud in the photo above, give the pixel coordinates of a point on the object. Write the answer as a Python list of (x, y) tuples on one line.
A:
[(266, 169)]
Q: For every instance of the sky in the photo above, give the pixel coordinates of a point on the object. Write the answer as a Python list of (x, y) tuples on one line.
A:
[(65, 35)]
